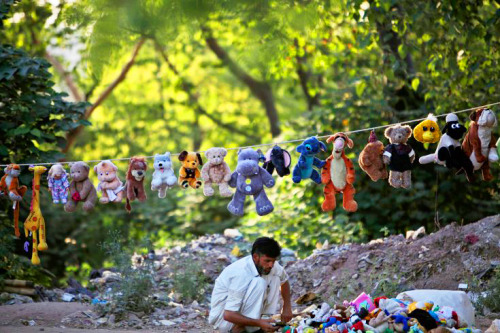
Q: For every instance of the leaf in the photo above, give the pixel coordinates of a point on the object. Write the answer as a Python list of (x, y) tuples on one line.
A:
[(360, 88), (36, 132), (415, 83), (21, 130), (3, 150)]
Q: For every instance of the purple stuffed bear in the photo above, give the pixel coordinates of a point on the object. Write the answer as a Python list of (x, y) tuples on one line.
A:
[(249, 178)]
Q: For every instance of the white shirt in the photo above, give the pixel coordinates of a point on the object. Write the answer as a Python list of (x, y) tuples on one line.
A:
[(231, 286)]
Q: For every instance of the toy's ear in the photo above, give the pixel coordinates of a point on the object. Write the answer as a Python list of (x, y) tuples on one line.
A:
[(31, 168), (331, 138), (85, 166), (288, 159), (115, 168), (349, 142), (199, 158), (224, 152), (445, 128), (95, 167), (239, 150), (300, 149), (408, 130), (167, 154), (268, 155), (474, 115), (388, 132), (182, 155), (145, 164), (322, 146)]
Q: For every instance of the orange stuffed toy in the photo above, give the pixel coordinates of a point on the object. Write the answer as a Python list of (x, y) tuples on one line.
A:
[(9, 186), (338, 175), (189, 174)]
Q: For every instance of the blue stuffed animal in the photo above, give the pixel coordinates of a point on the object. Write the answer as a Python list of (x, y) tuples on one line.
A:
[(304, 167)]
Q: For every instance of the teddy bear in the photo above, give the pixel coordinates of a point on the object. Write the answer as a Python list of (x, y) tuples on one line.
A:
[(279, 159), (135, 181), (216, 171), (163, 177), (249, 178), (80, 188), (189, 174), (399, 155), (304, 167), (110, 185), (9, 186), (58, 183), (370, 159)]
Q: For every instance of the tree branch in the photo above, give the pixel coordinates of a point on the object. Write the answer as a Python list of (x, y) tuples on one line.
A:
[(73, 134), (68, 78), (304, 77), (261, 90)]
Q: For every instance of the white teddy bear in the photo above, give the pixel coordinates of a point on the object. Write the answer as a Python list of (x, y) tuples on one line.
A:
[(163, 176)]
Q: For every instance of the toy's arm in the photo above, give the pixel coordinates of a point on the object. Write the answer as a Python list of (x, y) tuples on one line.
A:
[(227, 172), (197, 173), (386, 157), (325, 173), (87, 186), (302, 161), (234, 178), (66, 183), (72, 188), (204, 171), (182, 172), (267, 179), (318, 163), (14, 185), (351, 176), (3, 185)]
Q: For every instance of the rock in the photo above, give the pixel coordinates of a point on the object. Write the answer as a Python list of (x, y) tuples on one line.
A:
[(495, 327), (101, 321), (233, 233), (193, 316), (18, 299), (166, 322), (221, 241)]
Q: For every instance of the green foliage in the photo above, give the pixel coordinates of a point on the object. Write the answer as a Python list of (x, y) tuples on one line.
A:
[(492, 298), (189, 281)]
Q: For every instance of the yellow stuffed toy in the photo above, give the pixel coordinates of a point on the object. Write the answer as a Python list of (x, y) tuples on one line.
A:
[(427, 306), (428, 130), (189, 174)]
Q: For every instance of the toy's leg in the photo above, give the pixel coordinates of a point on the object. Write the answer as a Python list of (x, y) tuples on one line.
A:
[(296, 178), (208, 190), (329, 204), (406, 179), (395, 179), (42, 246), (35, 260), (236, 205), (485, 169), (104, 199), (224, 190), (316, 177), (88, 206), (121, 195), (70, 206), (64, 197), (16, 220), (348, 200), (162, 192), (183, 182), (141, 194), (130, 193), (262, 203)]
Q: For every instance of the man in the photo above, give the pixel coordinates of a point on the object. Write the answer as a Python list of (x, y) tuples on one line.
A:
[(248, 289)]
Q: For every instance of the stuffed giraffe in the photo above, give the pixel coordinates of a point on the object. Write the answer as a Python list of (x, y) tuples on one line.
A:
[(35, 221)]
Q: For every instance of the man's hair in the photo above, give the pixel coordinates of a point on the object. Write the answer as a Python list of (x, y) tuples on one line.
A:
[(266, 246)]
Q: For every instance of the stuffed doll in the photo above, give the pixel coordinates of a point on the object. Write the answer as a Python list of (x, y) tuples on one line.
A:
[(189, 174), (216, 171), (449, 151), (80, 188), (58, 184), (479, 143), (338, 175), (249, 178), (279, 159), (304, 167), (399, 155), (135, 181), (163, 177), (370, 160), (427, 131), (110, 185), (9, 186)]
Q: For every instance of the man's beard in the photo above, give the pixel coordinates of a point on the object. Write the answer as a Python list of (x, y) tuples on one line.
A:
[(262, 270)]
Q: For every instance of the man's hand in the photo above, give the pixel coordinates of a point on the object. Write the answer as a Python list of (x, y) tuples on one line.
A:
[(286, 314), (265, 324)]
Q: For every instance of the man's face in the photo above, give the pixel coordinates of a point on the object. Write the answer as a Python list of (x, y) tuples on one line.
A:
[(263, 263)]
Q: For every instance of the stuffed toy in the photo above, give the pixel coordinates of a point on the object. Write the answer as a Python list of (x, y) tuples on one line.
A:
[(279, 159), (304, 167), (399, 155), (427, 306), (338, 175), (400, 323), (58, 184), (427, 131), (135, 181), (381, 322), (424, 318), (370, 160), (80, 188), (216, 171), (9, 186), (498, 146), (34, 222), (110, 186), (163, 176), (189, 175), (449, 151), (479, 144), (249, 178)]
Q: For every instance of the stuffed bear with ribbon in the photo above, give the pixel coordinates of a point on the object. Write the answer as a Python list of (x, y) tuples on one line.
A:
[(80, 188), (249, 178), (399, 155), (304, 167), (279, 159)]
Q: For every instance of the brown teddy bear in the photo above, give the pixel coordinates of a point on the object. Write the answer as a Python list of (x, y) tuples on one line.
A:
[(216, 171), (370, 160), (189, 173), (110, 185), (399, 155), (135, 181), (80, 188)]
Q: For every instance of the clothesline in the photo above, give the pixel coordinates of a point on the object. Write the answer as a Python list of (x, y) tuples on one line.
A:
[(277, 143)]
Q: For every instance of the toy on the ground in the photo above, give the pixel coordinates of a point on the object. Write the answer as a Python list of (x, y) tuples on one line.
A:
[(304, 167), (279, 159), (427, 131), (163, 177), (249, 178), (189, 174), (58, 184), (9, 186), (110, 185), (338, 175), (399, 155), (479, 143), (370, 159), (449, 151), (34, 222), (135, 181), (424, 318), (80, 188), (216, 172)]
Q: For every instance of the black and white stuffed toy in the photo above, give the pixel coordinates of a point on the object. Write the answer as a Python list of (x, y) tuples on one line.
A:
[(449, 151), (279, 159)]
